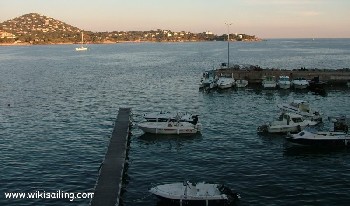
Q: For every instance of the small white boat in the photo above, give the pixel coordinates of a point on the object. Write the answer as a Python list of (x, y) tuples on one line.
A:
[(287, 122), (208, 80), (300, 83), (241, 83), (284, 82), (338, 137), (269, 82), (187, 193), (301, 107), (81, 48), (164, 116), (225, 82), (170, 127)]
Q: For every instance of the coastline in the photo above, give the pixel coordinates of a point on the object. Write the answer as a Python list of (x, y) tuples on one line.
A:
[(119, 42)]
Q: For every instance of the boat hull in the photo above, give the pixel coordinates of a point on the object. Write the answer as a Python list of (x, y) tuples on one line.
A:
[(81, 49), (324, 139), (269, 85), (195, 194), (168, 128), (241, 83), (300, 86), (177, 202)]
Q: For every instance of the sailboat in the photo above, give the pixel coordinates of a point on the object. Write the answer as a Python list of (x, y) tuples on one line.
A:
[(81, 48)]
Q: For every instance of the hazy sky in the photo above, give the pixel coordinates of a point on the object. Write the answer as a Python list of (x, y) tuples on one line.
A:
[(263, 18)]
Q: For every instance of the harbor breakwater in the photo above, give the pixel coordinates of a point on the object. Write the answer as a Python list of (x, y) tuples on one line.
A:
[(255, 74)]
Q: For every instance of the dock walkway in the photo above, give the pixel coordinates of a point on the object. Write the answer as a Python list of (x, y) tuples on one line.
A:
[(108, 185)]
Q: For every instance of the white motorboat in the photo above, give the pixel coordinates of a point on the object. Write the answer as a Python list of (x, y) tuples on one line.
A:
[(241, 83), (225, 82), (338, 137), (301, 107), (284, 82), (187, 193), (269, 82), (170, 127), (208, 80), (81, 48), (164, 116), (300, 83), (287, 122)]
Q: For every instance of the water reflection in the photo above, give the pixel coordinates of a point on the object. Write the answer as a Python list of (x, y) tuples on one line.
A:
[(312, 151)]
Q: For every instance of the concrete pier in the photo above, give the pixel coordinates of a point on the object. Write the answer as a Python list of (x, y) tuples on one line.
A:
[(108, 185), (255, 76)]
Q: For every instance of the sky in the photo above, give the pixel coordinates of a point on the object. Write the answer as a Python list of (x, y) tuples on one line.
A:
[(262, 18)]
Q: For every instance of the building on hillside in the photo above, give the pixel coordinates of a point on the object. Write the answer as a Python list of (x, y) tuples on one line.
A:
[(7, 35)]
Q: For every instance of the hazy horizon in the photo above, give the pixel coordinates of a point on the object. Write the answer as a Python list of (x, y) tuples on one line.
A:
[(264, 19)]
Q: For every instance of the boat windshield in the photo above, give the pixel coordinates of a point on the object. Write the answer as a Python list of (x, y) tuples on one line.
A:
[(297, 120)]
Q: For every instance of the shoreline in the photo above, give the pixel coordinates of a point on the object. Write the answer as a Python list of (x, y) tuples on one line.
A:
[(119, 42)]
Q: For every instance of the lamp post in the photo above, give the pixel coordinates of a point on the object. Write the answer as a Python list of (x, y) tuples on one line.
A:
[(228, 44)]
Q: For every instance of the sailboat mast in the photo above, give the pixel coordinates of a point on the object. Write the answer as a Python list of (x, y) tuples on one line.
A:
[(228, 44)]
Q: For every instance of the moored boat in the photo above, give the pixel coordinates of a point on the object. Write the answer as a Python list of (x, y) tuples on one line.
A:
[(301, 107), (170, 127), (317, 86), (338, 137), (300, 83), (208, 80), (284, 82), (287, 122), (241, 83), (269, 82), (81, 48), (187, 193), (225, 82)]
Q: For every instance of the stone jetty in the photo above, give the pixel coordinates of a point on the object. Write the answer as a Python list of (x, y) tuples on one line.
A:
[(255, 74)]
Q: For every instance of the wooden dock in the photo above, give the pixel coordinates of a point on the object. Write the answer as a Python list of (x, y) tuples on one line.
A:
[(333, 77), (109, 183)]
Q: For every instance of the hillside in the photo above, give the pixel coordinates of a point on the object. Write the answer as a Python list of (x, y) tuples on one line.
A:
[(40, 29), (34, 28)]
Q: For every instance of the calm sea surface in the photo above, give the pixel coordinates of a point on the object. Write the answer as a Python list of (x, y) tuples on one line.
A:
[(58, 107)]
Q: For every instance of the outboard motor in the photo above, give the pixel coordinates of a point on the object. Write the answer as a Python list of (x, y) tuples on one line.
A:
[(195, 119)]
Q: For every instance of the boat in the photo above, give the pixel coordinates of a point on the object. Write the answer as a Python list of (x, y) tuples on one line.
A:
[(170, 127), (338, 137), (317, 86), (164, 116), (187, 193), (81, 48), (300, 83), (225, 82), (287, 122), (284, 82), (301, 107), (208, 80), (269, 82), (241, 83)]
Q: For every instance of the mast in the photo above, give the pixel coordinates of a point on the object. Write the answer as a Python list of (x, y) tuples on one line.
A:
[(82, 38), (228, 44)]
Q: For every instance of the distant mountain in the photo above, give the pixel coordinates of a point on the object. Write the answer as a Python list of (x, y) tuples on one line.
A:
[(34, 22), (36, 28)]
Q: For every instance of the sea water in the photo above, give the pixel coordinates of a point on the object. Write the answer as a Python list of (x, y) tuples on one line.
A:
[(58, 107)]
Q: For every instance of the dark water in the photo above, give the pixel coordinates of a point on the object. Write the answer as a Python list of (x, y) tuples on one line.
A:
[(58, 106)]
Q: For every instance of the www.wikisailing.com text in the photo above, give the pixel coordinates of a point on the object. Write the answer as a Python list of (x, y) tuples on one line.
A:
[(49, 195)]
